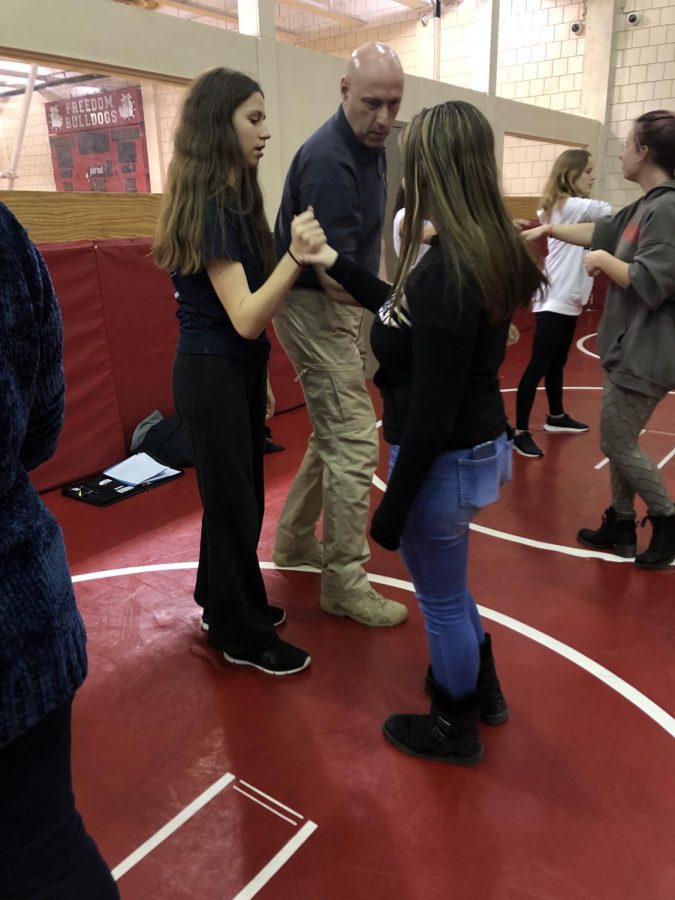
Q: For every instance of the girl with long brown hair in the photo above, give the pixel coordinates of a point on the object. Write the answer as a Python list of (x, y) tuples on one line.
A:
[(214, 239)]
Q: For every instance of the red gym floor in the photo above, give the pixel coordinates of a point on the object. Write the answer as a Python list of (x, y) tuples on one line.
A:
[(199, 779)]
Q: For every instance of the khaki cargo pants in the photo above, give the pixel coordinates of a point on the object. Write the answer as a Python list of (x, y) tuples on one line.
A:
[(323, 341)]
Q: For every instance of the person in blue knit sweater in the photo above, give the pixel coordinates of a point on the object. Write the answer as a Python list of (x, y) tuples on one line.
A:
[(44, 850)]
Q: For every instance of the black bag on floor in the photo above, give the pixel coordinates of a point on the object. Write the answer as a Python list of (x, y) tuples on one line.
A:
[(168, 443)]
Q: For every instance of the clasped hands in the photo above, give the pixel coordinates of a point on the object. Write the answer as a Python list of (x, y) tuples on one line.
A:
[(534, 234), (592, 262), (592, 259), (308, 241)]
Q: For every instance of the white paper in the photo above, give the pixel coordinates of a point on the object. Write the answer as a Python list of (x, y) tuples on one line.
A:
[(139, 469)]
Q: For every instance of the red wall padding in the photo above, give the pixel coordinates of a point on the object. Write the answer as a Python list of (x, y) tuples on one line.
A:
[(140, 316), (92, 435), (120, 331)]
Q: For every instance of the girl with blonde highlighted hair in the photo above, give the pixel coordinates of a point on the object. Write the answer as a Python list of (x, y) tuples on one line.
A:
[(440, 335)]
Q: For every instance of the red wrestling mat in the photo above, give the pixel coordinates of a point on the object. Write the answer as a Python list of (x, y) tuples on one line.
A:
[(285, 785)]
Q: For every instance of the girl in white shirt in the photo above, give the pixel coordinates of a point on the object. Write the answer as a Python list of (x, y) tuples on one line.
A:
[(566, 199), (428, 231)]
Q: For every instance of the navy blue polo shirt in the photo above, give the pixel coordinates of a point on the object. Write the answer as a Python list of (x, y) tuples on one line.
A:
[(346, 183), (204, 325)]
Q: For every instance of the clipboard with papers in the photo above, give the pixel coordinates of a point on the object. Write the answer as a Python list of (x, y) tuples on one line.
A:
[(139, 472)]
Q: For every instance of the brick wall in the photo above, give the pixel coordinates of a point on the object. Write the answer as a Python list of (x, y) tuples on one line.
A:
[(526, 165), (540, 61), (643, 78)]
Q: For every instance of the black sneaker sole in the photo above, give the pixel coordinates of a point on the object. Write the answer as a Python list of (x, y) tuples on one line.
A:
[(625, 551), (564, 430), (494, 718), (261, 668), (528, 455), (654, 567)]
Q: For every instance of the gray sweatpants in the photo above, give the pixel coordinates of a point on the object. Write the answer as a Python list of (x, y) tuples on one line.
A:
[(624, 415)]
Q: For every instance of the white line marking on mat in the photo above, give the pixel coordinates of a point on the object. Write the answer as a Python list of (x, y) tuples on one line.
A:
[(379, 484), (581, 345), (626, 690), (134, 570), (565, 388), (666, 459), (277, 862), (260, 803), (606, 459), (553, 548), (175, 823), (622, 687), (271, 799)]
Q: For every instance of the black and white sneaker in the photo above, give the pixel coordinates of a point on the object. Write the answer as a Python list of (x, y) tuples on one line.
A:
[(278, 617), (565, 424), (279, 658), (525, 445)]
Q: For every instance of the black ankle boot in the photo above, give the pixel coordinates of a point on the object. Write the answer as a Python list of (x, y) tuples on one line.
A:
[(661, 550), (448, 734), (493, 708), (619, 535)]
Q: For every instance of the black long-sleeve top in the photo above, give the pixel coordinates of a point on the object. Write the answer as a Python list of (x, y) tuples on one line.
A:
[(439, 359)]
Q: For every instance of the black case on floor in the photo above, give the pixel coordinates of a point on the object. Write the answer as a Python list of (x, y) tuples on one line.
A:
[(101, 490)]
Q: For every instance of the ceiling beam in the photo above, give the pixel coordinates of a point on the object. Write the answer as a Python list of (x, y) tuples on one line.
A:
[(201, 10), (310, 6), (415, 4), (198, 9), (318, 9)]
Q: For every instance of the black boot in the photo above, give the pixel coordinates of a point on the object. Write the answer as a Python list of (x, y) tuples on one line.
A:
[(619, 535), (661, 550), (493, 707), (448, 734)]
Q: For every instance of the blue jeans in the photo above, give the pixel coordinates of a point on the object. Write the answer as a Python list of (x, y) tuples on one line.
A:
[(434, 547)]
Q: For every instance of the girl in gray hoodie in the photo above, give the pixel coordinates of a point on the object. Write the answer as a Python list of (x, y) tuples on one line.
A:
[(636, 340)]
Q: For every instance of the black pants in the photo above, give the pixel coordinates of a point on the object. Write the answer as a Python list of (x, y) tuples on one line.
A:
[(221, 404), (45, 853), (553, 336)]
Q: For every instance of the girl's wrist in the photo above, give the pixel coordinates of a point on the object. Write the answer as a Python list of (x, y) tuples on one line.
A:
[(294, 258)]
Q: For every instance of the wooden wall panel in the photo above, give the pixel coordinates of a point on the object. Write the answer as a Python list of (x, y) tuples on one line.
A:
[(50, 216), (522, 207)]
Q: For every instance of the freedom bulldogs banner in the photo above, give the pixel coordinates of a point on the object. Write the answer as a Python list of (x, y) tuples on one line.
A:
[(122, 107), (98, 142)]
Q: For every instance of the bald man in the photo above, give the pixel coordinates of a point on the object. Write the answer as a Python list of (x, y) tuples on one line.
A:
[(341, 171)]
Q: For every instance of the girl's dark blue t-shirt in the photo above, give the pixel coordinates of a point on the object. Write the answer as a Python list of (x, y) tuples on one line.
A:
[(205, 327)]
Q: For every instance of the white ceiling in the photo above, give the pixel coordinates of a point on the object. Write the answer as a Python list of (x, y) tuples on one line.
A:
[(306, 13)]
